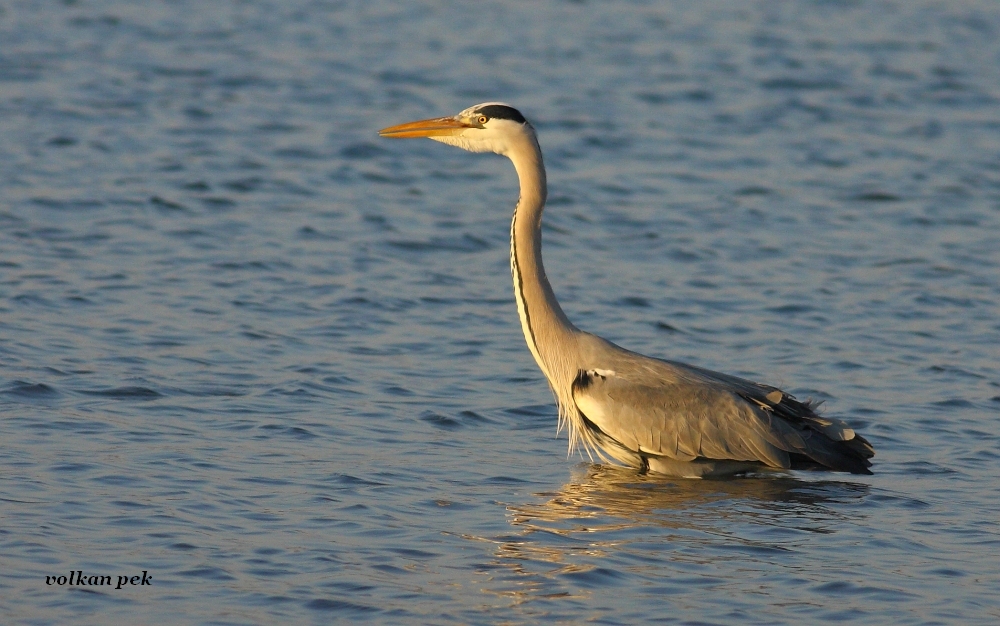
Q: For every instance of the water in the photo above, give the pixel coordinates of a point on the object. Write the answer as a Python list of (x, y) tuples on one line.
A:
[(273, 361)]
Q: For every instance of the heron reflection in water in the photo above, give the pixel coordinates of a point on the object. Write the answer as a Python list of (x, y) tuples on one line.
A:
[(608, 497), (657, 415), (607, 518)]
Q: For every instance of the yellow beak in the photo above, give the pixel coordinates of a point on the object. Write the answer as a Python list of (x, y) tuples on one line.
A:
[(436, 127)]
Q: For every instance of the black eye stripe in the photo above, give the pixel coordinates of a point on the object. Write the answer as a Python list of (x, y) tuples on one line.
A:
[(501, 112)]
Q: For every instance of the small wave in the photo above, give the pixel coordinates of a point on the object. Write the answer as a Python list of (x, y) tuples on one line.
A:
[(22, 389), (123, 393), (339, 606)]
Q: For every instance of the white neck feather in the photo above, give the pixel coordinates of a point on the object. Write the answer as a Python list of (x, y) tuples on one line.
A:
[(550, 335)]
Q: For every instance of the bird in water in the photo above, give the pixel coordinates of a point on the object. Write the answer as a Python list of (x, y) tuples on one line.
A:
[(653, 414)]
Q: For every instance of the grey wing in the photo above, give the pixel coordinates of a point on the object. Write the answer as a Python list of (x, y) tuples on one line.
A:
[(687, 413)]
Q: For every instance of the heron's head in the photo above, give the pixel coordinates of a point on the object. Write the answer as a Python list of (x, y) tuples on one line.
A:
[(488, 127)]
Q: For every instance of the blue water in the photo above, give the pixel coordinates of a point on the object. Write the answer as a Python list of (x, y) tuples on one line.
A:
[(274, 361)]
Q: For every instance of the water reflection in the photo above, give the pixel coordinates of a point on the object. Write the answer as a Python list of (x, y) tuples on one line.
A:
[(603, 497), (610, 525)]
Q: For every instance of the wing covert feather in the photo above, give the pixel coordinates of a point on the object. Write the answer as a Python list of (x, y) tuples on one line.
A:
[(673, 410), (680, 420)]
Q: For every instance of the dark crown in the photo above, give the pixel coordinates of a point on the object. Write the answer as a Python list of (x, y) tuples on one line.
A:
[(502, 112)]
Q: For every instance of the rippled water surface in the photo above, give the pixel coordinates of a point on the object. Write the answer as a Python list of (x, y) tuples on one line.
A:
[(273, 361)]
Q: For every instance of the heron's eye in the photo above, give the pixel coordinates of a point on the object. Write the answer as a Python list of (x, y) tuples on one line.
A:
[(483, 119)]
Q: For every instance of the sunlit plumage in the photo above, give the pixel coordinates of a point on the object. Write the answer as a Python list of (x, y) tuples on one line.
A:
[(648, 413)]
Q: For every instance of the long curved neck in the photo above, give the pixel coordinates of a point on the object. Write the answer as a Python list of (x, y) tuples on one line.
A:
[(547, 330)]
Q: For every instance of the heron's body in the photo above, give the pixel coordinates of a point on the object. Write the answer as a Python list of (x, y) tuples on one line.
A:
[(660, 415)]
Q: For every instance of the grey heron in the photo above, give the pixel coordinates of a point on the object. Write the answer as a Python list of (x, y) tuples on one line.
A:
[(653, 414)]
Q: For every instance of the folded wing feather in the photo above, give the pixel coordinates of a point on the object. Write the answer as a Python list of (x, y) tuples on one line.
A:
[(682, 412)]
